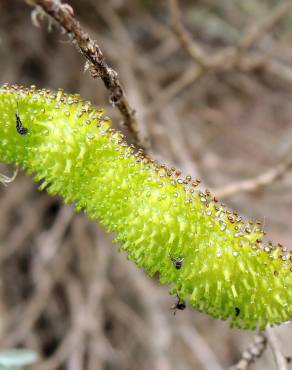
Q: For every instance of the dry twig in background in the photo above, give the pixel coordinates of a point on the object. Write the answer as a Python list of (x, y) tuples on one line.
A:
[(229, 57), (256, 183), (63, 14), (6, 180), (280, 359), (257, 348), (253, 352), (237, 57), (260, 29)]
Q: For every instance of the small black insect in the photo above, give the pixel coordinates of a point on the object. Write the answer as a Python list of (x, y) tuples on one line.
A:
[(177, 262), (19, 126), (179, 305), (237, 311)]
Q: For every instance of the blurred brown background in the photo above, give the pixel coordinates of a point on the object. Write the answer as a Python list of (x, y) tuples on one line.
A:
[(65, 291)]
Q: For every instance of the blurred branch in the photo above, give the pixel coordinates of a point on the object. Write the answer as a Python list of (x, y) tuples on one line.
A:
[(255, 183), (6, 180), (258, 30), (230, 56), (252, 353), (155, 317), (184, 37), (64, 349), (32, 309), (48, 271), (192, 47), (127, 61), (186, 79), (199, 347), (63, 14), (280, 359), (257, 348)]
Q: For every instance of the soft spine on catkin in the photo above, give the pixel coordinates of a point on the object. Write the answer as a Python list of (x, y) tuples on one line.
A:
[(225, 268)]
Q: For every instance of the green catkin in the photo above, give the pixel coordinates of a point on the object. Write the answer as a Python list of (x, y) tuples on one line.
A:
[(226, 270)]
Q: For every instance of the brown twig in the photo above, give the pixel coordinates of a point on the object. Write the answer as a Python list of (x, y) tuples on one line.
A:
[(184, 37), (6, 180), (236, 57), (63, 14), (221, 59), (255, 183), (54, 268), (280, 359), (229, 56), (198, 345), (257, 348), (186, 79), (127, 61), (252, 353), (259, 29)]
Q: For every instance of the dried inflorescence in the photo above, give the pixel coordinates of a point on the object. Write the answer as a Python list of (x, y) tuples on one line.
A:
[(224, 269)]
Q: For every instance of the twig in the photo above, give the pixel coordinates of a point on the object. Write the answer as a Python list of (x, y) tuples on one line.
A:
[(128, 60), (251, 62), (226, 59), (99, 350), (253, 352), (29, 223), (63, 14), (50, 269), (229, 57), (280, 359), (257, 348), (35, 306), (255, 183), (232, 57), (65, 348), (155, 318), (6, 180), (181, 83), (206, 62), (199, 347), (258, 30), (184, 37)]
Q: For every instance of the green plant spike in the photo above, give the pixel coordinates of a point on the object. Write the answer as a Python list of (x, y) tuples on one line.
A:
[(208, 255)]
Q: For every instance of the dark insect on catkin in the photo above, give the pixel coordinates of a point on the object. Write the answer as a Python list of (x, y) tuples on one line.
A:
[(19, 126), (177, 262), (179, 305)]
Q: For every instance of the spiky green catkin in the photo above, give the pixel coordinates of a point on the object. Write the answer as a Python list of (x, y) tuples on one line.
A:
[(226, 270)]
